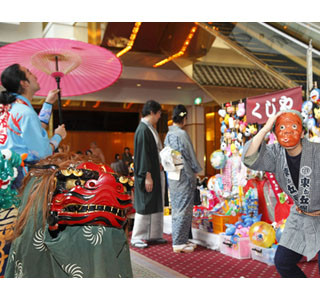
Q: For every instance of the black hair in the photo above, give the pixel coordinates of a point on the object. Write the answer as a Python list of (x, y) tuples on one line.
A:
[(88, 152), (125, 148), (116, 156), (10, 79), (179, 113), (150, 106)]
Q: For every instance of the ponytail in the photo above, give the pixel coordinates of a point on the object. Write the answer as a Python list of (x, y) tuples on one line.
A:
[(10, 79), (6, 98)]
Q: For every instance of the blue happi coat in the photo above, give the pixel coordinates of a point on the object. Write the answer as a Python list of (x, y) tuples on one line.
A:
[(21, 130)]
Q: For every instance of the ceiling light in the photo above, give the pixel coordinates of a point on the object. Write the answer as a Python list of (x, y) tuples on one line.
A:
[(138, 84), (97, 104), (127, 105), (131, 39), (179, 87), (182, 50), (67, 103)]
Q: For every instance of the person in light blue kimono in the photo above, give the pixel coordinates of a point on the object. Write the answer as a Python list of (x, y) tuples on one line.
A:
[(182, 187), (22, 130)]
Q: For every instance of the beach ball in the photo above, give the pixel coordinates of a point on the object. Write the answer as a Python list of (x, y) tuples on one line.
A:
[(218, 159), (262, 234)]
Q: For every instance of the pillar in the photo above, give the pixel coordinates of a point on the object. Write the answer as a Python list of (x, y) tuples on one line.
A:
[(196, 129)]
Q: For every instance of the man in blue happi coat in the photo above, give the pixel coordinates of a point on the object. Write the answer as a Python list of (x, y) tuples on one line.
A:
[(23, 131)]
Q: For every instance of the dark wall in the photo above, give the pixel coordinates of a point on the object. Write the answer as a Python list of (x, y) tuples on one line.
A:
[(98, 121)]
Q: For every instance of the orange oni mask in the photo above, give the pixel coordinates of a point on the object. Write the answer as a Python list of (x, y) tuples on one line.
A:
[(288, 129)]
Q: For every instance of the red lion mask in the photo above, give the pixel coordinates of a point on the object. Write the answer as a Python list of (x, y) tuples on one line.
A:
[(90, 194)]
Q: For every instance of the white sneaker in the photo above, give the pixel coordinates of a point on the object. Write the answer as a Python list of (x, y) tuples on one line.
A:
[(184, 248)]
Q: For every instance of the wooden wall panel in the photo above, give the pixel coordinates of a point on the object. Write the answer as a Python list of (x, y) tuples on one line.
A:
[(213, 135), (109, 142)]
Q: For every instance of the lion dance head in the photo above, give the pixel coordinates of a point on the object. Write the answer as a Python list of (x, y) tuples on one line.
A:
[(76, 191), (90, 194)]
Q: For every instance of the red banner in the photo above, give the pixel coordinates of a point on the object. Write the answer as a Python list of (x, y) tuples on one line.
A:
[(260, 108)]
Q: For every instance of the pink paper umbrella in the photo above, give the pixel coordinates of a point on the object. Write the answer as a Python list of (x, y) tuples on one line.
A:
[(77, 68)]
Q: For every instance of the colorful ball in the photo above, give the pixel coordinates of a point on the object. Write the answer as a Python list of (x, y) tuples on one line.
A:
[(215, 183), (218, 159), (262, 234)]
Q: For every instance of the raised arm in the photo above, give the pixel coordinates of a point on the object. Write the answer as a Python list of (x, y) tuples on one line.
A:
[(259, 137)]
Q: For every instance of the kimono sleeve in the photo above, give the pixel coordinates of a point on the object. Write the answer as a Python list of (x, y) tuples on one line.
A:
[(263, 160), (189, 154), (34, 136), (45, 113)]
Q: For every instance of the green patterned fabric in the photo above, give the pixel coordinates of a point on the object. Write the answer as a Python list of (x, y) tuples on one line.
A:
[(78, 251)]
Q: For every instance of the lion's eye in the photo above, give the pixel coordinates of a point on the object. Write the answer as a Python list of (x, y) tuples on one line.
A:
[(77, 172), (282, 127), (74, 182), (66, 172), (123, 179), (294, 126)]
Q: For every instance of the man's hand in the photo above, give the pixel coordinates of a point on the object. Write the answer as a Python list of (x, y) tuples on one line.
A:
[(271, 121), (259, 137), (52, 96), (149, 183), (61, 130)]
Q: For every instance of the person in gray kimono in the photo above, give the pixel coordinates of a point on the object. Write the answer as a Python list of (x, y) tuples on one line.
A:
[(182, 188), (149, 180), (295, 162)]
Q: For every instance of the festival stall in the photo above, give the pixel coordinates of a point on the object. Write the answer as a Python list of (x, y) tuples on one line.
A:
[(243, 212)]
